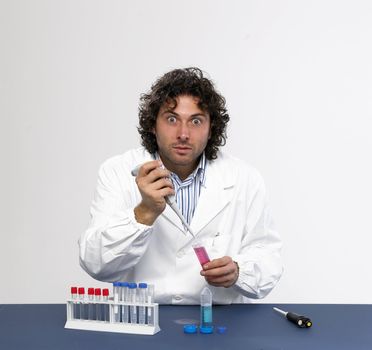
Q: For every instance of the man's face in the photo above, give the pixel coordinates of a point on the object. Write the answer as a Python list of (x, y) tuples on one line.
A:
[(182, 134)]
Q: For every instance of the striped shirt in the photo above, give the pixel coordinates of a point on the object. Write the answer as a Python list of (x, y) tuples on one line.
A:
[(188, 191)]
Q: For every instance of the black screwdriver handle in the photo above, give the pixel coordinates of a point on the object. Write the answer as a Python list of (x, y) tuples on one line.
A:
[(300, 321)]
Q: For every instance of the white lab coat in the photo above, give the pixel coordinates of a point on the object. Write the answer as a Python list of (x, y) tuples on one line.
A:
[(231, 218)]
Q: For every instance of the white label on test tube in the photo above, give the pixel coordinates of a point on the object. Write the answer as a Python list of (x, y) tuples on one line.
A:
[(142, 295), (116, 301), (133, 300), (124, 298), (150, 300)]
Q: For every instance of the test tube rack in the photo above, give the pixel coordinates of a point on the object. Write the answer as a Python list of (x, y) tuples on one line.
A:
[(109, 325)]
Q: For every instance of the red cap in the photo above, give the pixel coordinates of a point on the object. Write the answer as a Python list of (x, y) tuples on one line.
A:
[(90, 291), (105, 292), (73, 290), (81, 290), (97, 291)]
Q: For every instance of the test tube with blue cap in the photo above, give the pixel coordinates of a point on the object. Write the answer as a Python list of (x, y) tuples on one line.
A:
[(124, 298), (206, 319), (142, 294), (116, 286), (132, 299), (150, 300)]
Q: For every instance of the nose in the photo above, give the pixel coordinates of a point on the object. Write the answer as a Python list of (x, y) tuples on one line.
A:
[(183, 132)]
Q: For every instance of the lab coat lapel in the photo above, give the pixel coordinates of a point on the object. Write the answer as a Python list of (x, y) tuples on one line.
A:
[(172, 217), (213, 198)]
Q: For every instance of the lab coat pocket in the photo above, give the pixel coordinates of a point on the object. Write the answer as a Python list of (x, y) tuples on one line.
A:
[(220, 244)]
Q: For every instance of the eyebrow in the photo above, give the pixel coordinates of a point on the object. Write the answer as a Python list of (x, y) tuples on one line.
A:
[(192, 115)]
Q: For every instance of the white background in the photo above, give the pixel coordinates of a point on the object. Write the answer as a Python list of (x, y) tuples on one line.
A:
[(297, 77)]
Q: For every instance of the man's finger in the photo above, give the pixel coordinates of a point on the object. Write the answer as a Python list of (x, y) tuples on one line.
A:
[(215, 263)]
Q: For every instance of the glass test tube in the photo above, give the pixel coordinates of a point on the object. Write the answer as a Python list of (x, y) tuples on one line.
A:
[(150, 300), (201, 253), (91, 306), (81, 303), (124, 298), (74, 291), (206, 308), (97, 299), (106, 310), (132, 300), (116, 287), (142, 294)]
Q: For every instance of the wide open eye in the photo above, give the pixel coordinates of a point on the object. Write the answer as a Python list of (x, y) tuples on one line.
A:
[(171, 119), (196, 121)]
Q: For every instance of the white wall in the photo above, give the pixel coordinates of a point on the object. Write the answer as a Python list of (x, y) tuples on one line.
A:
[(297, 77)]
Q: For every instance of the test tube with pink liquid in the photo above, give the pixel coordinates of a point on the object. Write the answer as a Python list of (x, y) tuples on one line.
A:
[(201, 253)]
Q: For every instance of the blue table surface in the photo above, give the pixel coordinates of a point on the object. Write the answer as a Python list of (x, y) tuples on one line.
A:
[(249, 326)]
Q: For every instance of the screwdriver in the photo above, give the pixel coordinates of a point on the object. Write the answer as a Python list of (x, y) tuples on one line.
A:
[(298, 320)]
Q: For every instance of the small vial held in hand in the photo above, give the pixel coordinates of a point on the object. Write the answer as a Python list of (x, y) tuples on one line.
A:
[(201, 253)]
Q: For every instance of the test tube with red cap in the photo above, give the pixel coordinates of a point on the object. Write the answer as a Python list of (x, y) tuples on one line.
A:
[(106, 311), (201, 253), (91, 307), (81, 291), (97, 299), (74, 292)]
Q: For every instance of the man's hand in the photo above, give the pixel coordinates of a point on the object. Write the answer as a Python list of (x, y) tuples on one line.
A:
[(154, 185), (222, 272)]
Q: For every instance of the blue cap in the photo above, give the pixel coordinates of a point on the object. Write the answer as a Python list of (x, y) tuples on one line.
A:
[(116, 284), (221, 329), (206, 330), (124, 284), (190, 328), (142, 285), (132, 285)]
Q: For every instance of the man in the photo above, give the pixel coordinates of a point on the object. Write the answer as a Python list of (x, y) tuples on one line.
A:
[(135, 236)]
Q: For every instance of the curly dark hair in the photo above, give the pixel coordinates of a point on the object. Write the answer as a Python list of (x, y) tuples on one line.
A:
[(187, 81)]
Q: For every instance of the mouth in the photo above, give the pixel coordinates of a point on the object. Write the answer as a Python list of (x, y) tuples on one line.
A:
[(181, 149)]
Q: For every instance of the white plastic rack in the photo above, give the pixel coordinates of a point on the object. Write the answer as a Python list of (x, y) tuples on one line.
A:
[(84, 320)]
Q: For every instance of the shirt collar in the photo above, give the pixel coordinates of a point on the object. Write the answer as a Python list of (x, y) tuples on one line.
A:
[(198, 173)]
